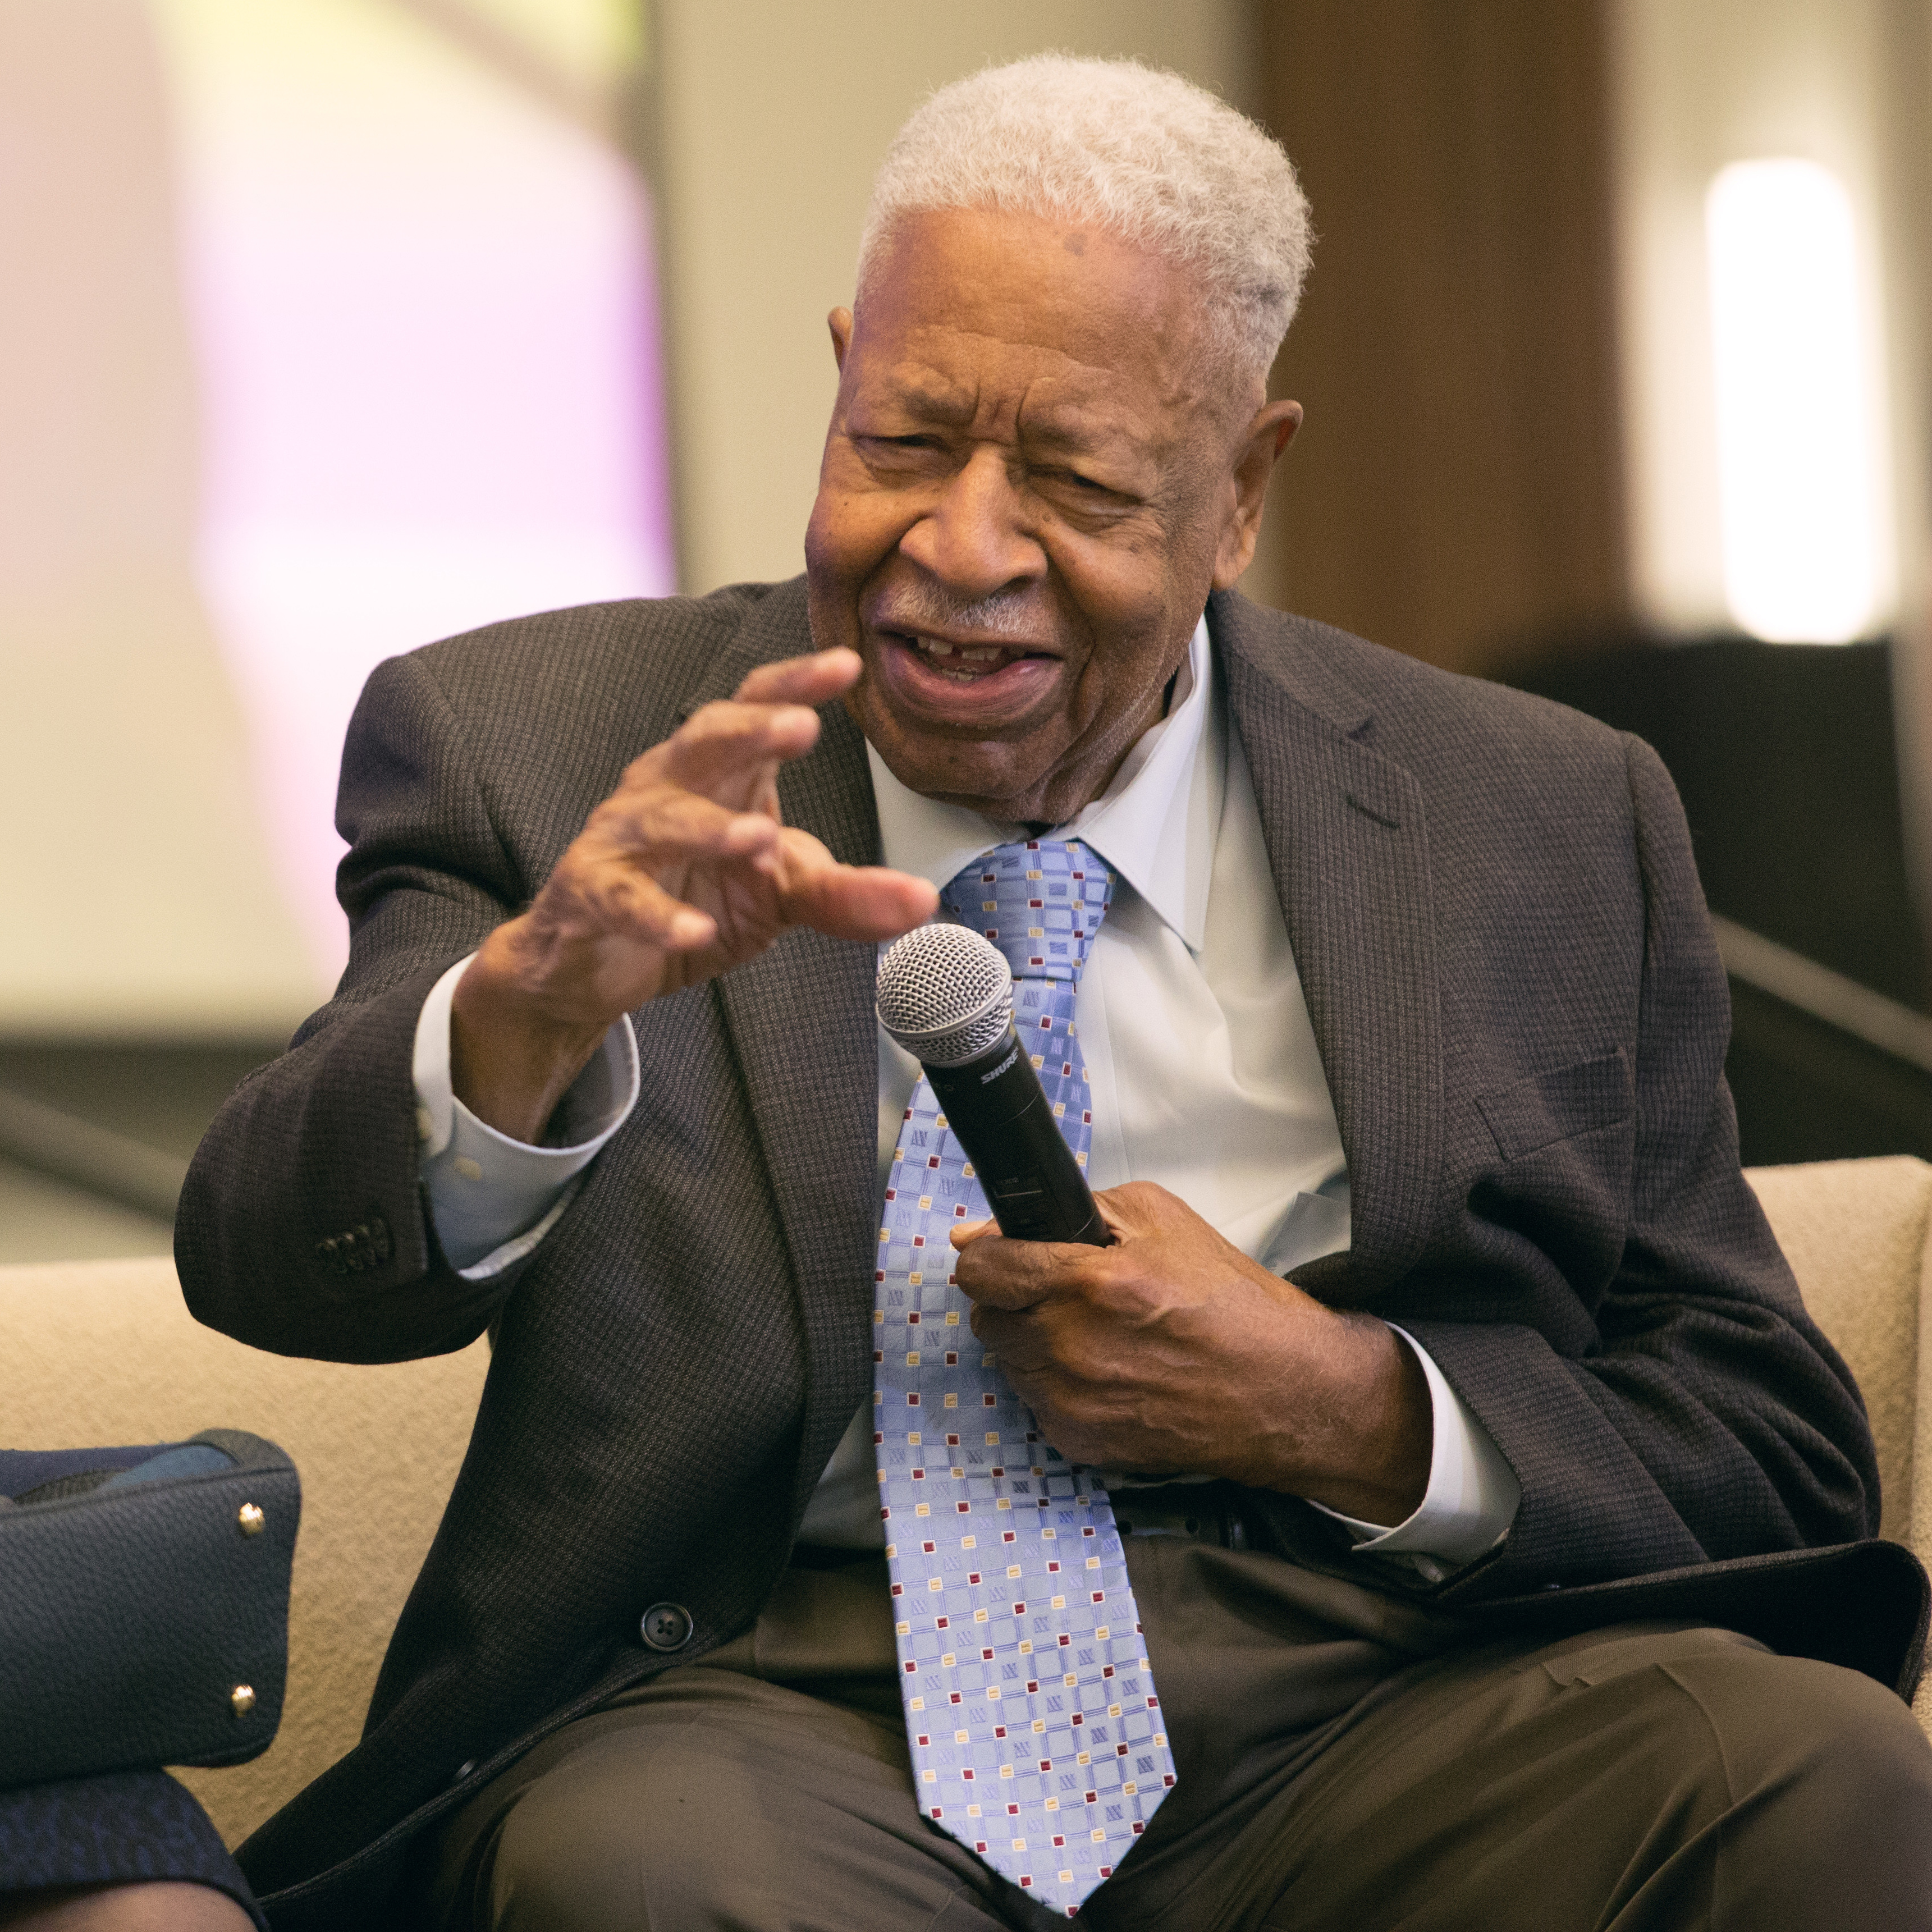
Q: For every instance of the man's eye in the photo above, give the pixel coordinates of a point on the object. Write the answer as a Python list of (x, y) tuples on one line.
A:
[(1081, 484)]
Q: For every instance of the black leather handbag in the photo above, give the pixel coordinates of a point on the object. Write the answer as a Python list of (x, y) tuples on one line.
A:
[(144, 1605)]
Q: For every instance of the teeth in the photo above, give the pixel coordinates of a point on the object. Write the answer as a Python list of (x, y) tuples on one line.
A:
[(964, 654)]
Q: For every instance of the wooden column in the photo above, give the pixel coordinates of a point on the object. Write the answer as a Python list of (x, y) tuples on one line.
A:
[(1456, 491)]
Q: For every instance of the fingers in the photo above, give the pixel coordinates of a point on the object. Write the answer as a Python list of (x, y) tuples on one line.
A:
[(662, 825), (623, 878), (1015, 1337), (772, 717), (731, 751), (815, 680), (616, 899), (1000, 1273), (1141, 1207), (865, 902), (996, 1272)]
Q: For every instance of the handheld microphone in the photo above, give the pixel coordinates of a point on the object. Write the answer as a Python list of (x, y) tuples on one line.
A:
[(946, 996)]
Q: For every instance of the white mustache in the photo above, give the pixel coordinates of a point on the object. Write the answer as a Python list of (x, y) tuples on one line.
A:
[(923, 607)]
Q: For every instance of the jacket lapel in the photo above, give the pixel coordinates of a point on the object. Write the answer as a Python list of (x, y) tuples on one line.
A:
[(800, 1021), (1349, 847)]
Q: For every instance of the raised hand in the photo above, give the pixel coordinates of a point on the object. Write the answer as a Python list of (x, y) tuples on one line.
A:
[(684, 872)]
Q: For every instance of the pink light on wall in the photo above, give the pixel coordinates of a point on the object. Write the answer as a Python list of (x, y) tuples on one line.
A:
[(426, 328)]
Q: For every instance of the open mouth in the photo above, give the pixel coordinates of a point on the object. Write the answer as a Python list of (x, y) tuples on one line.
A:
[(976, 684), (961, 664)]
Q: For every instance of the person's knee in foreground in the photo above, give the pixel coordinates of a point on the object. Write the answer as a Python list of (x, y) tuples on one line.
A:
[(1381, 1010), (163, 1905)]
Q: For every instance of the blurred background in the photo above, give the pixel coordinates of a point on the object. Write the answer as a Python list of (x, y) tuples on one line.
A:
[(329, 327)]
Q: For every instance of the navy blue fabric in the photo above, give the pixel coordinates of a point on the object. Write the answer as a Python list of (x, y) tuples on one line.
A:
[(126, 1827), (185, 1459), (24, 1469)]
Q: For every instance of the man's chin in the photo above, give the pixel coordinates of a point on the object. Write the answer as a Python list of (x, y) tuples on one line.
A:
[(983, 772)]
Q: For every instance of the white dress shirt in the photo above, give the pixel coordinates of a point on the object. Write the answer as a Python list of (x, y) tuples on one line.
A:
[(1203, 1064)]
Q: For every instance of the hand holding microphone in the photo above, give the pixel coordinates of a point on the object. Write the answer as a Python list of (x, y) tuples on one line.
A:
[(946, 996), (1155, 1345)]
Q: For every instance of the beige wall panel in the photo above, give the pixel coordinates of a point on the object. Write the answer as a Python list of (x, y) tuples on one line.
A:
[(773, 117), (139, 894)]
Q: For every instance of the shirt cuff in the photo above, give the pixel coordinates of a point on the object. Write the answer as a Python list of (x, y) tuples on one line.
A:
[(1472, 1495), (492, 1199)]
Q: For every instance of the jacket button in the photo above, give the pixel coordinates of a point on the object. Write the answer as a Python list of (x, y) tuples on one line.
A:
[(463, 1770), (666, 1627)]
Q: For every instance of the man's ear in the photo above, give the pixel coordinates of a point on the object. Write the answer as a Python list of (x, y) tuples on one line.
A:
[(840, 323), (1262, 444)]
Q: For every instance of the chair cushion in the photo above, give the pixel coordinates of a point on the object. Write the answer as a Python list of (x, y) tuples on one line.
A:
[(106, 1352)]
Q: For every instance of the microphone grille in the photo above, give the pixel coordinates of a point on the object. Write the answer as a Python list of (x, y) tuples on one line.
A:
[(944, 994)]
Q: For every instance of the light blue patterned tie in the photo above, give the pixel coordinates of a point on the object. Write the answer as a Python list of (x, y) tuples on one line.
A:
[(1037, 1740)]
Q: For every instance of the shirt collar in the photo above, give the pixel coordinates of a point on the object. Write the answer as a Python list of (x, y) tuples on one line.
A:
[(1156, 823)]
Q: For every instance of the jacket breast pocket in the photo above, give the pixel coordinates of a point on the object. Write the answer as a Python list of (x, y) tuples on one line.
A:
[(1536, 1113)]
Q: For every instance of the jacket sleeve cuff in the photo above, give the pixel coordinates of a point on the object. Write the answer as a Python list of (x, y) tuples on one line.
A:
[(1472, 1495), (493, 1199)]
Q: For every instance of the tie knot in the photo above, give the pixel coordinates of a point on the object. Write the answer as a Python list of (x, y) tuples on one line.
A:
[(1040, 903)]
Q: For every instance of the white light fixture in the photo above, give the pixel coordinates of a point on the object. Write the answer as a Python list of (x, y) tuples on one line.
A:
[(1795, 461)]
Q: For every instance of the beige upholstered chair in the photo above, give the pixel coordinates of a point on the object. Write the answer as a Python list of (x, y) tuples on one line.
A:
[(105, 1352)]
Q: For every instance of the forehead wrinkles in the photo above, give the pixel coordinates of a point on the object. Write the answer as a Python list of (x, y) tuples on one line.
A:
[(1050, 418)]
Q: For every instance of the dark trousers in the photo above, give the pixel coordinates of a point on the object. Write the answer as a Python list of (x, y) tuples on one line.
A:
[(1341, 1765)]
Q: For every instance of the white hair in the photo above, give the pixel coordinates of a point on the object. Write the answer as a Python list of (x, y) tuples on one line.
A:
[(1156, 161)]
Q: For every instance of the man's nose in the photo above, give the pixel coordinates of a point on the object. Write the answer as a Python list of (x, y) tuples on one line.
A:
[(976, 539)]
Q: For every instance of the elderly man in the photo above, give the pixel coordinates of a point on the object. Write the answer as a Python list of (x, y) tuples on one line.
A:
[(1402, 1521)]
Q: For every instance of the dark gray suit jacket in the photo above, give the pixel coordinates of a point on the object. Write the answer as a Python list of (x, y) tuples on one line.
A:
[(1522, 1016)]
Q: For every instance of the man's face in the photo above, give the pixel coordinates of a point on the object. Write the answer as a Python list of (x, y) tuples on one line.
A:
[(1036, 472)]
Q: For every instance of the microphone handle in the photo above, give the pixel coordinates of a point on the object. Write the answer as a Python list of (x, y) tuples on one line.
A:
[(996, 1106)]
